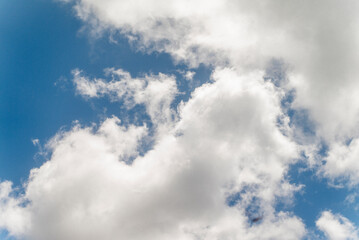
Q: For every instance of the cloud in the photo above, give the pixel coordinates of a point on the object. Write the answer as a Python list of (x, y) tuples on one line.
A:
[(342, 162), (156, 92), (220, 148), (219, 160), (35, 142), (336, 227), (317, 40), (13, 217)]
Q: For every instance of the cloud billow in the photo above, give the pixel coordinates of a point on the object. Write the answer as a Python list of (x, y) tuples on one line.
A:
[(233, 137)]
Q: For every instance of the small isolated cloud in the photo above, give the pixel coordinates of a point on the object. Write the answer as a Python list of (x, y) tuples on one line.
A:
[(35, 142), (337, 227)]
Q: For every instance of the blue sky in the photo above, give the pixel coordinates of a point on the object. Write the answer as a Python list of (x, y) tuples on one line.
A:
[(42, 42)]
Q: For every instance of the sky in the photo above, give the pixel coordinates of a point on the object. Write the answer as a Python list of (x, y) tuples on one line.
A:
[(179, 119)]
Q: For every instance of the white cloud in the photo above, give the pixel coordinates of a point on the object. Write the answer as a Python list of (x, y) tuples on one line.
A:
[(336, 227), (318, 40), (156, 92), (225, 141), (342, 162), (35, 142), (189, 75), (13, 217)]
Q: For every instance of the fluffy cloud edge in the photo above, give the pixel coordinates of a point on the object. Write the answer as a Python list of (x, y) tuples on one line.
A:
[(336, 227), (180, 187)]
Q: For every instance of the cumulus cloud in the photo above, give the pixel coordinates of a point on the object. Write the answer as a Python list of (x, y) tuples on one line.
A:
[(342, 162), (318, 40), (13, 217), (336, 227), (219, 150), (219, 162)]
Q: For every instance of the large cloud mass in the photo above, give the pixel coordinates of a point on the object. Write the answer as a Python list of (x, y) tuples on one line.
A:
[(218, 163), (226, 138), (318, 40)]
